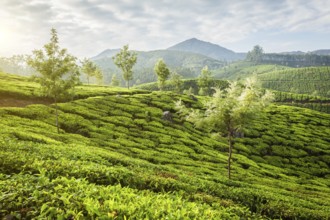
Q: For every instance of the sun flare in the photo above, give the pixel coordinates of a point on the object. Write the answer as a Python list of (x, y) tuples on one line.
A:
[(4, 37)]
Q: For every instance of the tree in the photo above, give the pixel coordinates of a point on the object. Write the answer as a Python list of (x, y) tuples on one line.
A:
[(125, 60), (58, 71), (162, 73), (90, 69), (114, 80), (255, 55), (204, 81), (98, 75), (176, 80), (230, 111)]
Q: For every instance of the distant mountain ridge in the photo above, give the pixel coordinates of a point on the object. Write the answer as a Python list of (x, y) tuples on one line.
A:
[(322, 52), (325, 52), (208, 49), (187, 64)]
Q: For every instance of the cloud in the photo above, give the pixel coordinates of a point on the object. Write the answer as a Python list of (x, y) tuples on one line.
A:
[(87, 27)]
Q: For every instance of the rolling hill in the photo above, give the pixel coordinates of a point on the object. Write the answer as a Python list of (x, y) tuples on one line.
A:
[(322, 52), (208, 49), (313, 101), (317, 52), (116, 158), (243, 69), (311, 80), (187, 64)]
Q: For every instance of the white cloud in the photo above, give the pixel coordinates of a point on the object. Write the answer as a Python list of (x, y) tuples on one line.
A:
[(87, 27)]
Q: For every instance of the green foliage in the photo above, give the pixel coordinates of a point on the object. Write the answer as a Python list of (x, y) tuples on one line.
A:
[(125, 60), (187, 64), (186, 85), (244, 69), (176, 80), (162, 73), (230, 111), (91, 70), (296, 60), (114, 80), (255, 55), (300, 80), (58, 70), (204, 81), (116, 158), (15, 64)]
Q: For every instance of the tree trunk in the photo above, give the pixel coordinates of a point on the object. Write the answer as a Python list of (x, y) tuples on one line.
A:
[(231, 144), (127, 84), (56, 113)]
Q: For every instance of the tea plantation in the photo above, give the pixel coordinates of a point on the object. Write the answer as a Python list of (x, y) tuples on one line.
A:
[(116, 158)]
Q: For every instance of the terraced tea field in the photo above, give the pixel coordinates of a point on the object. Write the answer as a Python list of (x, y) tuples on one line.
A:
[(116, 158)]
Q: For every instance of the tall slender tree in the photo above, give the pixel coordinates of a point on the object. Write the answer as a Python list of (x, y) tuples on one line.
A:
[(58, 72), (125, 60), (204, 81), (114, 80), (176, 80), (90, 69), (255, 55), (230, 111), (162, 73)]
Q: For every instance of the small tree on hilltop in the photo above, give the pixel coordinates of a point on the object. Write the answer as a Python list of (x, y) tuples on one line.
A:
[(90, 69), (98, 75), (114, 80), (255, 55), (230, 111), (58, 71), (204, 81), (162, 73), (125, 60), (176, 80)]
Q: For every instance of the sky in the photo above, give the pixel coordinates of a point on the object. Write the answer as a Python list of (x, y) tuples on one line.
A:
[(88, 27)]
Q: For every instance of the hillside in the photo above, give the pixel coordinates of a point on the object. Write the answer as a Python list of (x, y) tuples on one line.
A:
[(19, 91), (296, 60), (208, 49), (244, 69), (116, 158), (314, 102), (187, 64), (317, 52), (312, 80), (322, 52), (188, 84)]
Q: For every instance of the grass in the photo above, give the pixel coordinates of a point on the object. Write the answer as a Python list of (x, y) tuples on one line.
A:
[(116, 158)]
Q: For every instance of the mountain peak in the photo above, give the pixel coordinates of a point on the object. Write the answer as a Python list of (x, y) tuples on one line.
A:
[(106, 53), (193, 39), (206, 48)]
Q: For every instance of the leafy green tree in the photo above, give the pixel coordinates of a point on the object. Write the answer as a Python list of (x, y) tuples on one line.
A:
[(58, 71), (189, 91), (204, 80), (176, 80), (230, 111), (125, 60), (114, 80), (202, 92), (162, 73), (90, 69), (99, 75), (255, 55)]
